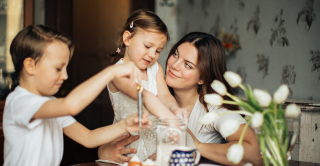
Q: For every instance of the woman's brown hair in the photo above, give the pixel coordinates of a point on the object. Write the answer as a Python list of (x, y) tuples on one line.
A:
[(145, 20), (211, 64)]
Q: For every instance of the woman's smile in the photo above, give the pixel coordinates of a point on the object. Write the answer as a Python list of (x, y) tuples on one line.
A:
[(172, 75)]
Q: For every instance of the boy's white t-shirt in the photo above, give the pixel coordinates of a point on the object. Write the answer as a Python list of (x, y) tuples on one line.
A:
[(39, 142)]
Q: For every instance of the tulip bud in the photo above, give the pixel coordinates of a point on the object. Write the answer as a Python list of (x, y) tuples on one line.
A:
[(281, 94), (233, 79), (208, 118), (219, 87), (257, 119), (229, 127), (235, 153), (213, 99), (293, 110), (262, 97)]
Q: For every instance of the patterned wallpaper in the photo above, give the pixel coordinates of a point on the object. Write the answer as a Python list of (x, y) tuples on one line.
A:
[(280, 39)]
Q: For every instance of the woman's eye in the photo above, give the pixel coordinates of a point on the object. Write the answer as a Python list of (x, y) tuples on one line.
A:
[(146, 46), (158, 52), (175, 54), (188, 66), (58, 69)]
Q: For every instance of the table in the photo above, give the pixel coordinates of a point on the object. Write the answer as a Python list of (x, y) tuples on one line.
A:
[(202, 161)]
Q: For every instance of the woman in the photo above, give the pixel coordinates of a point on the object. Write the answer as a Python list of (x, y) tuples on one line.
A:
[(193, 63)]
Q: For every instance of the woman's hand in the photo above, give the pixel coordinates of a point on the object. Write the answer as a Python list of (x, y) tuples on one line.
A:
[(132, 122), (115, 150), (195, 140), (153, 157)]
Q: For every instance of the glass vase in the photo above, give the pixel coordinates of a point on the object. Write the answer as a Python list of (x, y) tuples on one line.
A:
[(277, 140)]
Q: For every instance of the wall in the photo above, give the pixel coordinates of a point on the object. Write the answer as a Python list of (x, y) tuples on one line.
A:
[(280, 43), (263, 61), (261, 64), (167, 11)]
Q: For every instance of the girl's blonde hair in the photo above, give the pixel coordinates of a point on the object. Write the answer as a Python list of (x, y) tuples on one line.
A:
[(145, 20)]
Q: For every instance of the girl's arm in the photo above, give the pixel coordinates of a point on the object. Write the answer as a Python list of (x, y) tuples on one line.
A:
[(86, 92), (166, 97), (218, 152), (150, 101), (103, 135)]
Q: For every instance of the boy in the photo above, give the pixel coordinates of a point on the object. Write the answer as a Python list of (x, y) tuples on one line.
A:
[(33, 120)]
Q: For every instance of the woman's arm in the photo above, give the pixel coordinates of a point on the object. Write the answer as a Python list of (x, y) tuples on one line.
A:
[(103, 135), (218, 152), (86, 92)]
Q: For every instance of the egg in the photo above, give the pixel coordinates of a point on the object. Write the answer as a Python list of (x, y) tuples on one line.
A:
[(135, 161)]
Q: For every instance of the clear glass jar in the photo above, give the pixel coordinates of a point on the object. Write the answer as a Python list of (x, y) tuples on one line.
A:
[(171, 133)]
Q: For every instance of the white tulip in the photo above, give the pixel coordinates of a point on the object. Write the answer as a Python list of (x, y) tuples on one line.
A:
[(292, 110), (233, 79), (229, 127), (235, 153), (257, 119), (281, 94), (219, 87), (262, 97), (213, 99), (208, 118)]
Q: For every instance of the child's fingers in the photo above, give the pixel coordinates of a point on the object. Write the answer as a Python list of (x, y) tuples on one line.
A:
[(139, 76), (136, 118), (145, 117), (147, 123)]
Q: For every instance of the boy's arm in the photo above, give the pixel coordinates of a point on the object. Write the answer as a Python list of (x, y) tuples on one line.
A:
[(150, 101), (103, 135), (85, 93)]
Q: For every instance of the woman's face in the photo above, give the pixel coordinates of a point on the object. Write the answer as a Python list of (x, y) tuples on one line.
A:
[(182, 71)]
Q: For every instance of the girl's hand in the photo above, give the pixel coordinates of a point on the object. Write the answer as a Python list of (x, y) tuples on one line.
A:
[(132, 122), (129, 70), (181, 113)]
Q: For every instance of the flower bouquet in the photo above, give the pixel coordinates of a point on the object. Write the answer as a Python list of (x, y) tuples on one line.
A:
[(230, 42), (265, 115)]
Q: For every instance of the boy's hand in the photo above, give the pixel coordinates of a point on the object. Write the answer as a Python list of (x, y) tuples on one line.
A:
[(129, 70), (132, 122)]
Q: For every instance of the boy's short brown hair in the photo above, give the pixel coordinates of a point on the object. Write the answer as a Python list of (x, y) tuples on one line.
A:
[(32, 42)]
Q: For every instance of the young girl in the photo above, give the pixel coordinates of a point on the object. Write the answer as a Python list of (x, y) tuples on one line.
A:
[(33, 120), (142, 38)]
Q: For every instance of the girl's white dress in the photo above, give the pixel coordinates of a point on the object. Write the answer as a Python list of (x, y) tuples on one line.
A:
[(125, 106)]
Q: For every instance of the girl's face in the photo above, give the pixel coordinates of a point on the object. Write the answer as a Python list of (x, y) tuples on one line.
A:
[(51, 70), (144, 47), (182, 71)]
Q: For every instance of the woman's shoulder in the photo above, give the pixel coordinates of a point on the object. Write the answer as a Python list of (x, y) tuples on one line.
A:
[(217, 109)]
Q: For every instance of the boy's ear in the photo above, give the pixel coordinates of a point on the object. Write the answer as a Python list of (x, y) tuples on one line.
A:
[(29, 65), (126, 37)]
